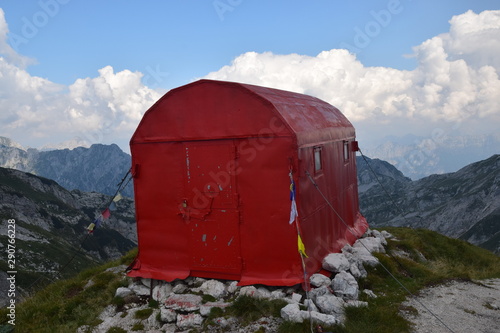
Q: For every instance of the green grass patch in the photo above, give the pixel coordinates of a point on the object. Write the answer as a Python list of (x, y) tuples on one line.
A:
[(66, 305), (143, 314), (248, 309)]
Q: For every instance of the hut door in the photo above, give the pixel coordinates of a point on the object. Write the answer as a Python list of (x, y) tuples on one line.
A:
[(212, 200)]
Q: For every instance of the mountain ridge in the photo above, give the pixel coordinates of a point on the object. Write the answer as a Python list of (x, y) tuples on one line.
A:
[(463, 204), (97, 168)]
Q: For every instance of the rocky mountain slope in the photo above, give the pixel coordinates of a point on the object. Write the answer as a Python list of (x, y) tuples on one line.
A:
[(98, 168), (50, 225), (463, 204)]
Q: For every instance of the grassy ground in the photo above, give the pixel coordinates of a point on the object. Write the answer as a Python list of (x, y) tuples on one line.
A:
[(429, 259)]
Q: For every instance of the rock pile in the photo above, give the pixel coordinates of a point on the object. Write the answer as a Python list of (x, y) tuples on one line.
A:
[(185, 304)]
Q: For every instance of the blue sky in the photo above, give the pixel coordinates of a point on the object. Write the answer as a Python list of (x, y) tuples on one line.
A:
[(65, 49), (188, 39)]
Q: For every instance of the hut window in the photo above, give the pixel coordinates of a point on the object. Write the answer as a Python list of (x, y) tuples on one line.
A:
[(318, 163), (346, 151)]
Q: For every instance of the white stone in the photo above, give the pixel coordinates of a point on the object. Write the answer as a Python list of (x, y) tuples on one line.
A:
[(362, 269), (185, 321), (161, 291), (319, 292), (152, 322), (296, 297), (369, 293), (278, 294), (309, 304), (354, 269), (291, 312), (146, 282), (330, 304), (213, 288), (345, 285), (108, 311), (232, 287), (347, 249), (263, 293), (197, 281), (335, 262), (371, 244), (184, 302), (319, 280), (168, 315), (169, 328), (320, 318), (249, 291), (179, 288), (387, 235), (123, 292), (140, 289), (356, 304)]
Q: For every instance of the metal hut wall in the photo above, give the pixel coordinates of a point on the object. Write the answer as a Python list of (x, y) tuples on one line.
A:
[(211, 163)]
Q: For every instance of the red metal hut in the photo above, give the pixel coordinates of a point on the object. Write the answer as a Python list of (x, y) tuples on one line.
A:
[(211, 163)]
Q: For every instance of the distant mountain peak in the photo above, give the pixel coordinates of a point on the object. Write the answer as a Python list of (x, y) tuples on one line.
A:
[(10, 143), (69, 144)]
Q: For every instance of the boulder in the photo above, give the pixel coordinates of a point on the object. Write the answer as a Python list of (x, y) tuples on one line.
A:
[(278, 294), (371, 244), (314, 293), (139, 289), (232, 287), (330, 304), (184, 302), (319, 280), (345, 285), (291, 312), (123, 292), (335, 262), (161, 291), (309, 304), (249, 291), (185, 321), (179, 288), (168, 315), (213, 288), (320, 318), (296, 298)]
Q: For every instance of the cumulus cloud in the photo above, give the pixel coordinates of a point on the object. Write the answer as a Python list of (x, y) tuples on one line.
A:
[(36, 111), (6, 50), (456, 78)]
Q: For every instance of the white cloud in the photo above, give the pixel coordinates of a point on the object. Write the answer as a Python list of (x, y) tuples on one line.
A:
[(456, 81), (6, 50), (36, 111), (456, 78)]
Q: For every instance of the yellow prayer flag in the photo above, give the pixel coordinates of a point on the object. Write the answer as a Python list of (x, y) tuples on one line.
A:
[(302, 248), (91, 227), (118, 197)]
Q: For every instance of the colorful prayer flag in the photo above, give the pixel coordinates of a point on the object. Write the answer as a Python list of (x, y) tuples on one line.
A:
[(91, 227), (98, 221), (118, 197), (106, 213), (293, 209), (301, 246)]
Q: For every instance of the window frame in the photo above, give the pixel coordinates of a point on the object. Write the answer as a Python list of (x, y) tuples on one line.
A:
[(318, 157)]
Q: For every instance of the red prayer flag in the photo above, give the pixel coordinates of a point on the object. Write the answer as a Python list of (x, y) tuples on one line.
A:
[(106, 214)]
